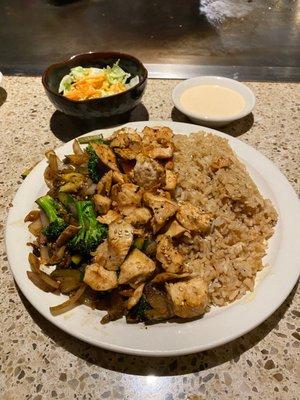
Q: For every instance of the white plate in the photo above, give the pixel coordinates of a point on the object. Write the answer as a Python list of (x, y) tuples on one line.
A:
[(218, 326)]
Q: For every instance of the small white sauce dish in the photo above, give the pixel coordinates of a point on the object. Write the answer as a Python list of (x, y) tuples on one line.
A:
[(215, 120)]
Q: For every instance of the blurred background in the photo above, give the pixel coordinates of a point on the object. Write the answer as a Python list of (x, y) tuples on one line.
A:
[(246, 39)]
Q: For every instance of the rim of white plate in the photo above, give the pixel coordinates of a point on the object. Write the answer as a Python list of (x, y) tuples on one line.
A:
[(171, 339)]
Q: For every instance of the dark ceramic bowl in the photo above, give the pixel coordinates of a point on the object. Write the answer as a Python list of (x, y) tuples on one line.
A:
[(96, 108)]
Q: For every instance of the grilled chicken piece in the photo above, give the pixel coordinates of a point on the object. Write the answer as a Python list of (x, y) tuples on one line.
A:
[(120, 237), (137, 216), (169, 257), (118, 177), (156, 150), (135, 298), (171, 180), (161, 134), (102, 203), (126, 144), (136, 268), (106, 155), (104, 185), (109, 217), (189, 298), (148, 173), (99, 279), (190, 217), (100, 255), (128, 195), (125, 129), (162, 208), (220, 162), (157, 142), (175, 229)]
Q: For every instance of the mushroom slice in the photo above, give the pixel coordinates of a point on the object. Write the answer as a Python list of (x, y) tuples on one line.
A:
[(189, 298), (99, 279), (136, 268), (190, 217), (135, 298), (158, 300), (167, 254), (106, 155)]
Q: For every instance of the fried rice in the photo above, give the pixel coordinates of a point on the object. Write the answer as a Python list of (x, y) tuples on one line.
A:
[(211, 177)]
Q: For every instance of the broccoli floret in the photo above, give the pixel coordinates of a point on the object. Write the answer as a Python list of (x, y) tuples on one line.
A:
[(92, 232), (53, 210), (93, 164), (140, 310)]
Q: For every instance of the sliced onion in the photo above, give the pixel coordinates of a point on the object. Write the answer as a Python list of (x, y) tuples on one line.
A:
[(52, 160), (44, 219), (37, 281), (48, 280), (44, 254), (34, 263), (67, 285), (91, 189), (32, 216), (76, 147), (70, 303), (35, 227), (60, 252), (66, 235)]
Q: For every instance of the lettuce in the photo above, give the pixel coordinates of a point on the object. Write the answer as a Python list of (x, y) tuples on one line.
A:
[(65, 84), (116, 74)]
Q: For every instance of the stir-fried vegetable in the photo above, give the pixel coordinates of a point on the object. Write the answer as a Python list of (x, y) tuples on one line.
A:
[(92, 232), (53, 210)]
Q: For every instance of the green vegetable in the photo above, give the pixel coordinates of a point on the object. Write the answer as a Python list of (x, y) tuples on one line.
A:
[(138, 243), (54, 211), (93, 165), (67, 273), (92, 139), (65, 84), (140, 310), (75, 74), (116, 74), (92, 232), (76, 259), (66, 199)]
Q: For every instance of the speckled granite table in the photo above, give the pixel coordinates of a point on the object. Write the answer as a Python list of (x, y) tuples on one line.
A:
[(37, 361)]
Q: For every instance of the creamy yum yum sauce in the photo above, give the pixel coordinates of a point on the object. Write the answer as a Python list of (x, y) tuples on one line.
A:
[(212, 101)]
